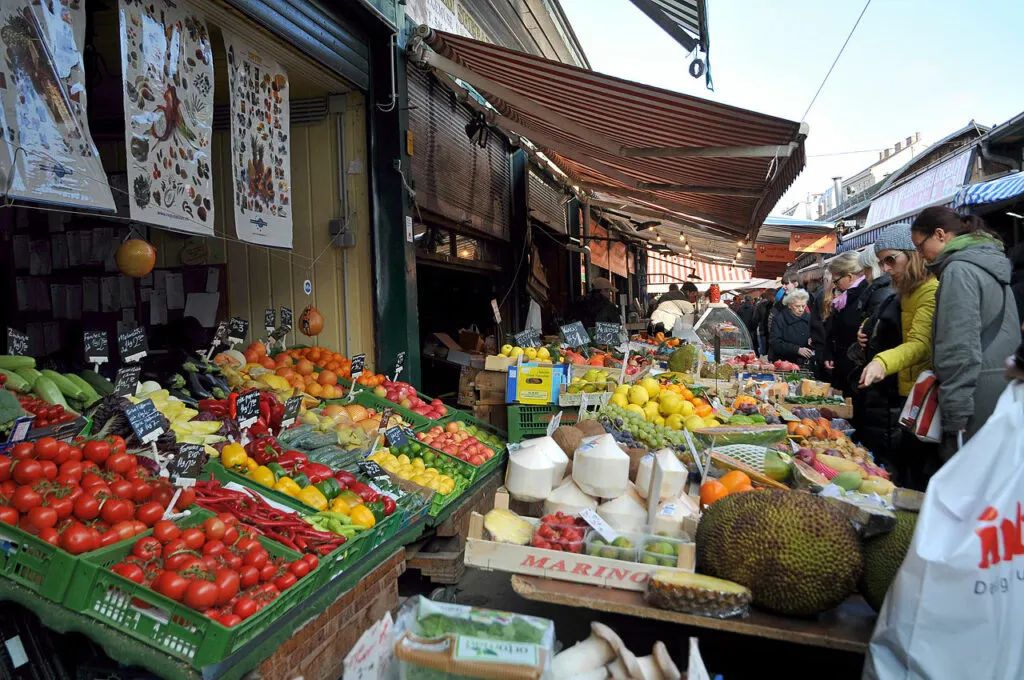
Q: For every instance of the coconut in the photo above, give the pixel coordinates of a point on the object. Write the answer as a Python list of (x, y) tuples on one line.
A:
[(673, 474), (635, 456), (568, 437), (530, 474), (590, 428), (549, 448), (600, 468), (625, 514), (569, 499)]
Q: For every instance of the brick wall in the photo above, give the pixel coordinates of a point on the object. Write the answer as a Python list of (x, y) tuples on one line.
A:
[(317, 650)]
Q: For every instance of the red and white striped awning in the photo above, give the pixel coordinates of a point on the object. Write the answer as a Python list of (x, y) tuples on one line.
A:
[(665, 269), (705, 160)]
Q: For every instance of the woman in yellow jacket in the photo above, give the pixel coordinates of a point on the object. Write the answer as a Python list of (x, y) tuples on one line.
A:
[(916, 287)]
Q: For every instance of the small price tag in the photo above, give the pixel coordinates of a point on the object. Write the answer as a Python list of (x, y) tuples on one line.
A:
[(497, 312), (247, 409), (17, 342), (556, 421), (575, 334), (127, 380), (21, 428), (625, 362), (584, 402), (607, 333), (238, 329), (132, 344), (385, 418), (97, 347), (372, 470), (269, 319), (398, 436), (286, 318), (145, 420), (599, 525), (185, 467), (528, 338), (291, 410), (717, 405), (399, 365), (220, 336), (358, 364)]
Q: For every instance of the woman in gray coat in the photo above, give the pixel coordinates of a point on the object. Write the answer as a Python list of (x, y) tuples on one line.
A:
[(975, 326)]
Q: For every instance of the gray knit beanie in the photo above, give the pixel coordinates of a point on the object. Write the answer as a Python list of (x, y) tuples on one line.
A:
[(896, 237)]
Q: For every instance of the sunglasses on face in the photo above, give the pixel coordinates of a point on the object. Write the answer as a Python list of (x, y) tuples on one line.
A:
[(891, 260)]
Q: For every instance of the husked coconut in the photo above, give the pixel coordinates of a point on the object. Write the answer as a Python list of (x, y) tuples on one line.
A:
[(625, 514), (673, 474), (600, 468), (569, 499), (635, 456), (549, 448), (530, 474), (590, 428)]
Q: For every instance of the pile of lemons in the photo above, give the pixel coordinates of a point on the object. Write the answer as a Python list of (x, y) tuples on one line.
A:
[(663, 406), (414, 470), (529, 353)]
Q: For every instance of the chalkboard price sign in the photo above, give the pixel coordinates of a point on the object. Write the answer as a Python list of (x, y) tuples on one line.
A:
[(372, 470), (575, 335), (186, 466), (528, 338), (286, 318), (127, 380), (399, 364), (17, 342), (97, 347), (238, 329), (607, 333), (358, 364), (269, 319), (398, 436), (132, 344), (145, 420), (385, 418), (247, 409), (291, 410)]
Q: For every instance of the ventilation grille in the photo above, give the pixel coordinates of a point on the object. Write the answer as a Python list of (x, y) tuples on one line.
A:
[(547, 203)]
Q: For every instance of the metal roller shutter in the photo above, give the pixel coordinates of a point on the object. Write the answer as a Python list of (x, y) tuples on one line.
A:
[(452, 176), (546, 203)]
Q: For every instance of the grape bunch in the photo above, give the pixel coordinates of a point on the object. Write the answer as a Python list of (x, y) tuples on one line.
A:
[(639, 430)]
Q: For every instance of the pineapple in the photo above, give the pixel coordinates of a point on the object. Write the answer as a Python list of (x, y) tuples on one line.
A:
[(697, 594)]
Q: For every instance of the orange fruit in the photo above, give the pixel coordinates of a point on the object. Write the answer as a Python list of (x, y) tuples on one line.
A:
[(802, 430), (791, 426), (328, 378), (704, 410), (259, 348), (732, 480), (741, 488), (304, 367), (285, 372), (808, 422), (711, 491), (686, 394), (314, 390), (283, 359), (823, 422), (267, 362), (251, 357), (820, 433)]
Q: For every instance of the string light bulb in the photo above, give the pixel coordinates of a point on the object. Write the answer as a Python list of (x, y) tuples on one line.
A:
[(682, 237), (658, 238)]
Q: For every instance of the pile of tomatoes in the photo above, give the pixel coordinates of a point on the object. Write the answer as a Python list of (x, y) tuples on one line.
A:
[(219, 569), (46, 414), (81, 496)]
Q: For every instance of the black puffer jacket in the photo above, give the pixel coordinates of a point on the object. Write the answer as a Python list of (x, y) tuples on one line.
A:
[(789, 333), (840, 333), (877, 408), (876, 292)]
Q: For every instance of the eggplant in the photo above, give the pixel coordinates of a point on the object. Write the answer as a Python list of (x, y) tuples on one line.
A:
[(196, 387), (185, 397)]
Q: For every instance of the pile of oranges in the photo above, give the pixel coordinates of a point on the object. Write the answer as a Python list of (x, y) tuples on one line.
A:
[(731, 482), (371, 379), (298, 367), (701, 407), (818, 429)]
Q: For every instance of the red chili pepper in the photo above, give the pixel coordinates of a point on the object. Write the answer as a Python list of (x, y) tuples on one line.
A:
[(389, 505)]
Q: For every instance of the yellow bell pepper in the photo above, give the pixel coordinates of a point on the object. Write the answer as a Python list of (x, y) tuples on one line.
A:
[(362, 516), (251, 465), (263, 475), (287, 486), (339, 505), (312, 497), (233, 457)]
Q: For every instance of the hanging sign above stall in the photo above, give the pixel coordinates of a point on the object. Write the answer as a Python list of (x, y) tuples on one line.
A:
[(813, 243), (772, 252)]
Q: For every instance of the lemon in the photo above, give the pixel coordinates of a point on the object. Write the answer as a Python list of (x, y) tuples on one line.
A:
[(622, 389), (422, 480), (652, 386), (620, 399), (670, 403), (389, 466), (418, 463), (674, 422), (404, 460), (543, 354), (687, 409), (531, 353), (638, 396), (432, 472), (516, 353), (446, 487), (694, 423), (636, 408), (506, 350)]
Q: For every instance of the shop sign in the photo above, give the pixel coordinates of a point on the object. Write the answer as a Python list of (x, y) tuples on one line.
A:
[(48, 155), (167, 64), (260, 146), (813, 243), (610, 255), (930, 187), (772, 252)]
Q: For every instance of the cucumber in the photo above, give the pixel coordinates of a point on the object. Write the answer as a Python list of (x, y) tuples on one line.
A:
[(102, 386), (46, 390), (91, 395), (12, 362), (15, 382), (66, 387), (29, 374)]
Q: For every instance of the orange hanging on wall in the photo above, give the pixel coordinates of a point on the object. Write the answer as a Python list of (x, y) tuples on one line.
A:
[(311, 323), (135, 257)]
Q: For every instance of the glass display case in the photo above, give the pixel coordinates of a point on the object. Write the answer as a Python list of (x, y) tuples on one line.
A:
[(718, 320)]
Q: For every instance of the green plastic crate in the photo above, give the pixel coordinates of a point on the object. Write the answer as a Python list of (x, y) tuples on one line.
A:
[(368, 399), (440, 502), (31, 562), (464, 417), (169, 626), (532, 421), (223, 475)]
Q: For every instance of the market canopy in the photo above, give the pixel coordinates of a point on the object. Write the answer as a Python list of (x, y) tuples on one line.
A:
[(686, 22), (709, 163), (1006, 188), (665, 269)]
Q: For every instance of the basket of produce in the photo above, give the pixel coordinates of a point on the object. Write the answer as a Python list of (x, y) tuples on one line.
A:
[(453, 441)]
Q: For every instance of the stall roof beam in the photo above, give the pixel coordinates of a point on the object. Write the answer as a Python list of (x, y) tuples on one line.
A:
[(681, 188), (711, 151)]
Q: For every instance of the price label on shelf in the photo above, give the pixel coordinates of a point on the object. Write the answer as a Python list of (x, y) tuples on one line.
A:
[(132, 344), (186, 466), (17, 342), (247, 409), (127, 380), (528, 338), (398, 436), (145, 420), (575, 334), (599, 525), (358, 364), (97, 347), (19, 432), (399, 365), (372, 470), (385, 418), (238, 330), (556, 421), (291, 410), (607, 333), (269, 319)]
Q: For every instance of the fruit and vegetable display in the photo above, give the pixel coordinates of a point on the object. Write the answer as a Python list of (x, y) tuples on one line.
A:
[(419, 464), (465, 442)]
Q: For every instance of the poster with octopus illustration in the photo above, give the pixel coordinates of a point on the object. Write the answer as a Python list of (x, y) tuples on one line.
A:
[(167, 63), (47, 154), (260, 150)]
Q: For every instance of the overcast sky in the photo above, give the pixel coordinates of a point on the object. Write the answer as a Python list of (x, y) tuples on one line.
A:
[(926, 66)]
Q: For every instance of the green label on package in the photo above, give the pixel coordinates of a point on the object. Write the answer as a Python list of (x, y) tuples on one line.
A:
[(496, 651)]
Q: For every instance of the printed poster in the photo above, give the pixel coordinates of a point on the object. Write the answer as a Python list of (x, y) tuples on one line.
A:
[(47, 154), (167, 63), (260, 150)]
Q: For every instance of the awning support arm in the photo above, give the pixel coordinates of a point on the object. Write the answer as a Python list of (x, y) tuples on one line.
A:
[(682, 188)]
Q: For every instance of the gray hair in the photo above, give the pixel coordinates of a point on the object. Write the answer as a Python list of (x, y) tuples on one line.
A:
[(796, 295), (868, 260)]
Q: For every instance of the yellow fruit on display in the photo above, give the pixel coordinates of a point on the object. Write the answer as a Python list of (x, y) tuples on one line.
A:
[(506, 350), (638, 395), (687, 409), (515, 352), (619, 399), (670, 403), (543, 354), (674, 422), (622, 389), (711, 422), (694, 423), (531, 353), (658, 420), (652, 386), (636, 408)]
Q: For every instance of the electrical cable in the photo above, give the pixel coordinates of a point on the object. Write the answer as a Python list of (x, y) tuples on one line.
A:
[(522, 258), (836, 60)]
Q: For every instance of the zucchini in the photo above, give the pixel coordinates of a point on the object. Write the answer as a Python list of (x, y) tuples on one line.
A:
[(29, 374), (66, 387), (46, 390), (12, 362), (91, 395), (15, 382), (102, 386)]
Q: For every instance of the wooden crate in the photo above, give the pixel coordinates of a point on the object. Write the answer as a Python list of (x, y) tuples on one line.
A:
[(482, 387), (494, 414)]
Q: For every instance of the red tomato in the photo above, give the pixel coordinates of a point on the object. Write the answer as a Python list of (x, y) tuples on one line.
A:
[(246, 544), (114, 510), (285, 581), (91, 478), (299, 568), (249, 576), (27, 471), (75, 454), (117, 444), (49, 469), (62, 506), (228, 519), (76, 539), (71, 469), (138, 526), (132, 572), (42, 518), (187, 498), (229, 620), (162, 494), (25, 498), (147, 548), (24, 450), (50, 536), (143, 491), (63, 451), (165, 531), (180, 561), (214, 528), (213, 548), (96, 451), (9, 515), (230, 536), (228, 582), (311, 560), (201, 594), (170, 584), (256, 557), (244, 608), (211, 563), (119, 463), (87, 507), (267, 572), (47, 448), (194, 538), (149, 513), (212, 613), (88, 466), (5, 468), (122, 488), (233, 561)]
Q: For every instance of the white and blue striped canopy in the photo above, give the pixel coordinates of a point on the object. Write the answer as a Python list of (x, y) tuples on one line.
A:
[(993, 191)]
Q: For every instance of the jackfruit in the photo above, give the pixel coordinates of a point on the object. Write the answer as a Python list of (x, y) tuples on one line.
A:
[(681, 360), (798, 555), (883, 556)]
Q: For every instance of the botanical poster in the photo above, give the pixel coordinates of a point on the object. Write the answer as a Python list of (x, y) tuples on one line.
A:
[(260, 150), (46, 151), (167, 64)]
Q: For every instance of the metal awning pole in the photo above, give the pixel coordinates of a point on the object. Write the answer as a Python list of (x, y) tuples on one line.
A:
[(587, 267)]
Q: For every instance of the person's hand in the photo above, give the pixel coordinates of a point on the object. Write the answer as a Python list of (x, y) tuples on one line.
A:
[(861, 338), (806, 352), (872, 373), (830, 365)]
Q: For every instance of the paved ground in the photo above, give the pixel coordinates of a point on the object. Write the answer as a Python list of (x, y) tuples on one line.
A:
[(735, 657)]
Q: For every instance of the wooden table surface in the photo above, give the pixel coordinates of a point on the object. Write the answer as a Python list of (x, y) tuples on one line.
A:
[(846, 628)]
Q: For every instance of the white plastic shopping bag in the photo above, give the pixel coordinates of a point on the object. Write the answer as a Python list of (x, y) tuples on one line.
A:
[(956, 607)]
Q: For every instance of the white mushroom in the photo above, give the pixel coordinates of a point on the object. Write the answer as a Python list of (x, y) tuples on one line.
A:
[(586, 655)]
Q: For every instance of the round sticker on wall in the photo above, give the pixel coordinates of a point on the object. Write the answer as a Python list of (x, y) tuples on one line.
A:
[(307, 287)]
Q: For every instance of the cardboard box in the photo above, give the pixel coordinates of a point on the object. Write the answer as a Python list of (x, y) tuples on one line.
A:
[(533, 383)]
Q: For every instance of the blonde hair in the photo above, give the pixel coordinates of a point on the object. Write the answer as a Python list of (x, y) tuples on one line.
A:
[(869, 261), (845, 264), (916, 274)]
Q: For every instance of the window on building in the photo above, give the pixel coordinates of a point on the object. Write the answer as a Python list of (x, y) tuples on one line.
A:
[(899, 146), (910, 140)]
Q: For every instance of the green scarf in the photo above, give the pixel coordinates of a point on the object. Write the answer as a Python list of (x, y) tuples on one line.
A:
[(967, 240)]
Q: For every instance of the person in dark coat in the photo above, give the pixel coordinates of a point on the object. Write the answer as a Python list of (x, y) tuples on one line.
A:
[(842, 317), (792, 335), (1016, 257), (597, 305), (745, 312), (761, 311)]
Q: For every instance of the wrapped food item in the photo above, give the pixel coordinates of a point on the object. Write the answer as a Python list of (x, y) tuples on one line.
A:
[(506, 526), (697, 594)]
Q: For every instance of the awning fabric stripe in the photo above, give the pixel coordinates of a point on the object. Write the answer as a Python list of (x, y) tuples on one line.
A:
[(620, 114), (683, 12), (993, 191), (672, 269), (862, 237)]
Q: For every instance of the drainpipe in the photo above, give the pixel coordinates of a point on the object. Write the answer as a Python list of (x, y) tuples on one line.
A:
[(586, 244)]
